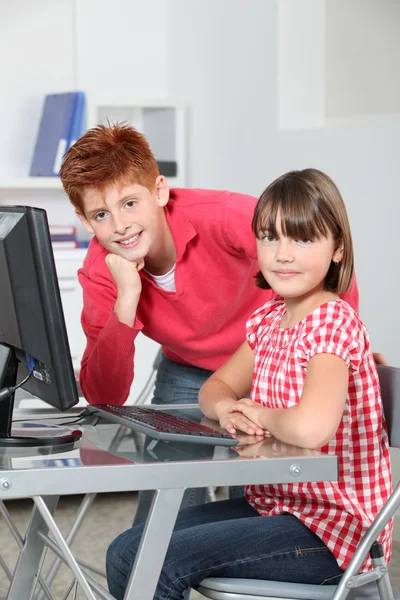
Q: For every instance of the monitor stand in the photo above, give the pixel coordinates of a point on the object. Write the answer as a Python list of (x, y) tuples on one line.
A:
[(33, 434)]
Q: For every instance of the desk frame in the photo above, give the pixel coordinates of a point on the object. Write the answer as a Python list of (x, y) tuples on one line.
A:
[(28, 483)]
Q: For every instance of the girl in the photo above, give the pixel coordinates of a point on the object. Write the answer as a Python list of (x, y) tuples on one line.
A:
[(313, 381)]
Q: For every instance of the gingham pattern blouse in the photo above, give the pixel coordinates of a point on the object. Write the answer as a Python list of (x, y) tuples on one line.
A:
[(338, 512)]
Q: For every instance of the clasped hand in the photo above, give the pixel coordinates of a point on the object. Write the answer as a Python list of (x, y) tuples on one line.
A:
[(242, 415)]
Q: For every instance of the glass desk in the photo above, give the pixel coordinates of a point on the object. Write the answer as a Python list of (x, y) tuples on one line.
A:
[(112, 458)]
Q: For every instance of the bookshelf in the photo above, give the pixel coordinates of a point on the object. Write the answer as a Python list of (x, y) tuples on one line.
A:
[(161, 120)]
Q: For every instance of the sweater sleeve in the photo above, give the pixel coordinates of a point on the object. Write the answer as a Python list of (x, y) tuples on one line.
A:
[(238, 218), (352, 296), (107, 365)]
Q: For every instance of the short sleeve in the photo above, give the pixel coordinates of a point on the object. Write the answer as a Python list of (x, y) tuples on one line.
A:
[(260, 319), (334, 329)]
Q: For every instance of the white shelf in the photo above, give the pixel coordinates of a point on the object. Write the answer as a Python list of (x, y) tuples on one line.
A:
[(30, 183), (71, 254), (54, 183), (139, 101)]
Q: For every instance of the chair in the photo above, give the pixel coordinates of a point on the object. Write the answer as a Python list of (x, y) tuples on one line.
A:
[(370, 585)]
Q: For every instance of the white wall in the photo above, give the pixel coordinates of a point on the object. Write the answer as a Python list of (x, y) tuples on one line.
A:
[(362, 57), (37, 53), (219, 58), (120, 47), (301, 75)]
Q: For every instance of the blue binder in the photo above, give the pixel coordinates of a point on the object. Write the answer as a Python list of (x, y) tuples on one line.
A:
[(62, 123), (78, 125)]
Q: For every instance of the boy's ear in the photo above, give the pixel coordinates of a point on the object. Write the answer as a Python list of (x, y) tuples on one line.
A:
[(84, 221), (162, 190)]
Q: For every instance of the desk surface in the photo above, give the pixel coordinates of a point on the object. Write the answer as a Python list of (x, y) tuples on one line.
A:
[(110, 457)]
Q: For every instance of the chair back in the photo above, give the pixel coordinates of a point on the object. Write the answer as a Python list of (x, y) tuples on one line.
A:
[(389, 379)]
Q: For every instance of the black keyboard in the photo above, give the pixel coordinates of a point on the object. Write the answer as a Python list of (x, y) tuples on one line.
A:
[(161, 425)]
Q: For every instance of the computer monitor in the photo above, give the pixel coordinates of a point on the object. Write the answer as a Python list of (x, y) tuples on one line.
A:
[(33, 339)]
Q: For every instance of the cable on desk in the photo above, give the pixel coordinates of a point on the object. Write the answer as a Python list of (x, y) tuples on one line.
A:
[(51, 419), (6, 392)]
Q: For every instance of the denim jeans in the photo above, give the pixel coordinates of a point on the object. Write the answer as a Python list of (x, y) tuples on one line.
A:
[(227, 539), (177, 384)]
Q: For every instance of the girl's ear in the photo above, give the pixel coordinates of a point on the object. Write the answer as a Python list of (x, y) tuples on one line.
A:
[(338, 253)]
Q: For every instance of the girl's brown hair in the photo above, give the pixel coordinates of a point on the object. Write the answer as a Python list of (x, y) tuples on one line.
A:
[(310, 207), (105, 155)]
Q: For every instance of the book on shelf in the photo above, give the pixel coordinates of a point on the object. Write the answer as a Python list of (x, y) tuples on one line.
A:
[(61, 123), (63, 238), (62, 230), (65, 245), (70, 245)]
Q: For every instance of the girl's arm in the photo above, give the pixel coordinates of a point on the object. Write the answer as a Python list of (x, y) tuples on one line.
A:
[(222, 390), (314, 420)]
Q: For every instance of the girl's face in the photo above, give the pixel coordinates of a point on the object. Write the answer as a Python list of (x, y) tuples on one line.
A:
[(295, 268)]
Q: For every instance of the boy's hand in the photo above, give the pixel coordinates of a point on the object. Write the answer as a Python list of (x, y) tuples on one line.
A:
[(253, 411), (125, 274), (234, 421), (380, 359)]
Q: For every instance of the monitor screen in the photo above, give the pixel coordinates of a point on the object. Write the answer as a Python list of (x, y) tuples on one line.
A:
[(33, 340)]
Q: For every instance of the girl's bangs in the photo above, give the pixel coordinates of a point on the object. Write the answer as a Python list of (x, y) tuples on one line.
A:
[(299, 218)]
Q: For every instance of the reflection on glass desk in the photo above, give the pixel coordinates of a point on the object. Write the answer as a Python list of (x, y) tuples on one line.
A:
[(106, 444)]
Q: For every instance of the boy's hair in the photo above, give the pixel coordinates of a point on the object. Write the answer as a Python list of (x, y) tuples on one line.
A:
[(310, 206), (106, 155)]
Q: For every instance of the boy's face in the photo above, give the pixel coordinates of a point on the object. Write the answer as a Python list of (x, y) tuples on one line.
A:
[(127, 219)]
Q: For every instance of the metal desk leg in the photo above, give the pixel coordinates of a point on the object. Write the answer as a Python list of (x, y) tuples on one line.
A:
[(30, 556), (62, 544), (86, 503), (20, 542), (154, 544)]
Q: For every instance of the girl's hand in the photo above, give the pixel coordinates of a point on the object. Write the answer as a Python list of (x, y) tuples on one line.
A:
[(234, 421), (252, 411), (252, 446)]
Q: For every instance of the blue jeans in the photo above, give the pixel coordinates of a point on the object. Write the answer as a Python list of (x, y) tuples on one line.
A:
[(227, 539), (177, 384)]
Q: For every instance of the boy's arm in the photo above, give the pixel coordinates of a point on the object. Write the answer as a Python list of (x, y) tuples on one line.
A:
[(107, 364)]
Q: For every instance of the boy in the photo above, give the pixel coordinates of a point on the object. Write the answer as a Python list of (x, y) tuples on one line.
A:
[(177, 265)]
